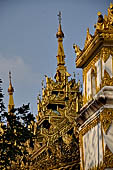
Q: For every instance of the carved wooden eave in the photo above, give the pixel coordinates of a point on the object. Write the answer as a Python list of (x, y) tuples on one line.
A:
[(100, 40), (100, 101), (38, 152), (39, 122)]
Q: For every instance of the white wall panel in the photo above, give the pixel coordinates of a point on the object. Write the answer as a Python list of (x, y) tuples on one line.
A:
[(92, 145), (108, 66), (88, 83), (98, 66)]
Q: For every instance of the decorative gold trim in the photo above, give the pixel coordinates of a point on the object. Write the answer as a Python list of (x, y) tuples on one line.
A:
[(107, 80), (92, 62), (102, 135), (104, 54), (106, 118), (82, 154), (90, 126), (91, 66), (112, 65)]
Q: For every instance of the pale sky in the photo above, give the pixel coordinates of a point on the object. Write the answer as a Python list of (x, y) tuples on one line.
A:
[(28, 44)]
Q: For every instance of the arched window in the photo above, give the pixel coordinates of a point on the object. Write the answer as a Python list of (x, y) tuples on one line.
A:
[(93, 81)]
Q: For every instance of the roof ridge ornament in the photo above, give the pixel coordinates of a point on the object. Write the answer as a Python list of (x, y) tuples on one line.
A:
[(89, 37), (111, 5), (77, 49), (105, 23)]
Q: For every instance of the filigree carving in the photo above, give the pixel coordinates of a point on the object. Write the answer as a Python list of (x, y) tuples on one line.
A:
[(58, 155)]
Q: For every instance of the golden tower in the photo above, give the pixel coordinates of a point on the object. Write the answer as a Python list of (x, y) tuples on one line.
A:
[(56, 145), (10, 91), (96, 115)]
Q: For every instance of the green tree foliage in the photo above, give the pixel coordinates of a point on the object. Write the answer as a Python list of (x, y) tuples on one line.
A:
[(16, 128)]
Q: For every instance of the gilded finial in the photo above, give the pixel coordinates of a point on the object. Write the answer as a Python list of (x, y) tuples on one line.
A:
[(99, 13), (59, 34), (87, 30), (10, 89), (42, 84), (10, 76), (59, 17), (88, 38), (74, 75), (111, 5)]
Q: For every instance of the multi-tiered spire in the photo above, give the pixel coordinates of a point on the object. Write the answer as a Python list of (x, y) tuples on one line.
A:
[(10, 91), (60, 36), (61, 73)]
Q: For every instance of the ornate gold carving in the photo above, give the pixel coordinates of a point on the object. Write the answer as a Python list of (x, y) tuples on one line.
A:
[(105, 23), (92, 124), (107, 80), (78, 51), (91, 66), (100, 23), (88, 38), (108, 158), (106, 118), (105, 53), (57, 109), (67, 138)]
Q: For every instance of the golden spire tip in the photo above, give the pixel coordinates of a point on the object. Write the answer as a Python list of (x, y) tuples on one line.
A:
[(59, 34), (59, 17), (111, 5), (10, 89), (10, 76)]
